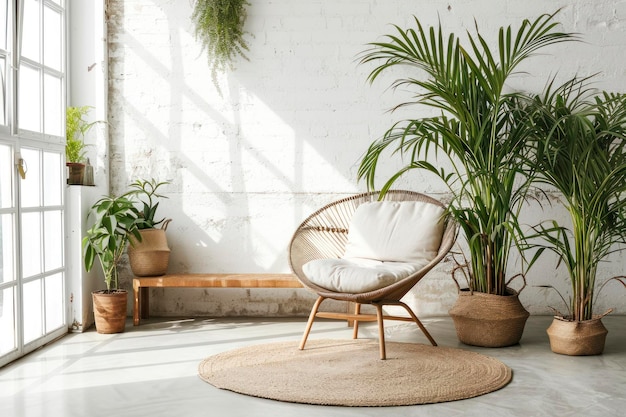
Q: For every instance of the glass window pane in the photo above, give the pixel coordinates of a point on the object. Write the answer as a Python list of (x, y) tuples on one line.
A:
[(4, 7), (52, 180), (28, 97), (7, 253), (53, 239), (33, 323), (52, 106), (31, 244), (7, 320), (31, 185), (31, 34), (54, 302), (52, 26), (6, 176), (3, 91)]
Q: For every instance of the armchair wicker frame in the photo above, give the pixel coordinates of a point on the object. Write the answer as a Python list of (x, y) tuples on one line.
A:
[(324, 234)]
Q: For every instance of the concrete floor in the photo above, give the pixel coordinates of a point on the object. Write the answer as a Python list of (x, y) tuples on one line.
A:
[(151, 370)]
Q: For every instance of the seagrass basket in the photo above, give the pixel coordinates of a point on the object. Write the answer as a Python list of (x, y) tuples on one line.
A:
[(489, 320), (577, 338), (151, 256)]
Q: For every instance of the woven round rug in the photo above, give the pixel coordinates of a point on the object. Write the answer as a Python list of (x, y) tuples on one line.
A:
[(350, 373)]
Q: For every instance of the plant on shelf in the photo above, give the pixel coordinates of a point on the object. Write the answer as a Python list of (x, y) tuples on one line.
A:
[(481, 131), (580, 150), (149, 255), (115, 222), (75, 129), (219, 25)]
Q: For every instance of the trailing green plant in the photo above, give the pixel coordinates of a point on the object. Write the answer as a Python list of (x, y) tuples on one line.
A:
[(75, 129), (219, 25), (114, 222), (145, 191), (580, 143), (480, 130)]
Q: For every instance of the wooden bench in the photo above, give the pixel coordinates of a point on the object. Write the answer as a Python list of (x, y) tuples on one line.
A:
[(142, 285)]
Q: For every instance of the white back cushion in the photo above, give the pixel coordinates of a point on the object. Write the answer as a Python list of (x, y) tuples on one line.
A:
[(396, 231)]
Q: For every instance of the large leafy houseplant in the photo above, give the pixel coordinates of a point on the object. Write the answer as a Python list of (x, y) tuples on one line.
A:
[(581, 152), (114, 222), (480, 129)]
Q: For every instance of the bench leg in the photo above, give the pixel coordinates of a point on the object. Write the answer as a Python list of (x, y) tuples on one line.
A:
[(145, 302), (141, 304), (136, 303)]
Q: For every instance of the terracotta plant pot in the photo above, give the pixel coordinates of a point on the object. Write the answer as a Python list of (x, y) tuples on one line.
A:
[(151, 256), (577, 338), (109, 311), (489, 320), (76, 173)]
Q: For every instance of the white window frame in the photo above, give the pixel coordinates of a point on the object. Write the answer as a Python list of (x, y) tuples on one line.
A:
[(12, 134)]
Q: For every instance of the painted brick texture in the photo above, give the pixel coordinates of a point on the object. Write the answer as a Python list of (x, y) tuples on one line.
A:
[(290, 127)]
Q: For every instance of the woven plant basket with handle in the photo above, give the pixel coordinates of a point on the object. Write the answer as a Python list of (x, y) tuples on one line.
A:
[(577, 338), (489, 320), (151, 256)]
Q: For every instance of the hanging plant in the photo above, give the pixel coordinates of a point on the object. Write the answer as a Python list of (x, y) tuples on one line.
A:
[(219, 27)]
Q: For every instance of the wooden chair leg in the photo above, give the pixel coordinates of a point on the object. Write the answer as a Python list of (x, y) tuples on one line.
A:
[(419, 323), (309, 324), (357, 310), (381, 331)]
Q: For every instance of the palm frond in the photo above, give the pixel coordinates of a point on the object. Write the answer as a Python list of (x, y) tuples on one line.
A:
[(580, 150), (480, 130)]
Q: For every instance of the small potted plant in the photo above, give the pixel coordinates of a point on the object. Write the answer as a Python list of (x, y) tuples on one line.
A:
[(115, 222), (148, 256), (75, 129), (580, 150)]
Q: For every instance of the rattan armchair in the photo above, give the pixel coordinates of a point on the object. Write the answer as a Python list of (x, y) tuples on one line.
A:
[(324, 235)]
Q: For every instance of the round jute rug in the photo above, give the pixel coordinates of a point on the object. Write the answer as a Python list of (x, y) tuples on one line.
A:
[(349, 373)]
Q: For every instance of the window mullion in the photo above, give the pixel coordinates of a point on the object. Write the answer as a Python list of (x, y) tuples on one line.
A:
[(17, 18)]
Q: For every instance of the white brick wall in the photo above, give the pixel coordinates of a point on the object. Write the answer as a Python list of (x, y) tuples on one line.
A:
[(293, 122)]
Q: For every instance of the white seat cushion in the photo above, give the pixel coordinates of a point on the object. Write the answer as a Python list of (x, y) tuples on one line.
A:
[(357, 275), (396, 231)]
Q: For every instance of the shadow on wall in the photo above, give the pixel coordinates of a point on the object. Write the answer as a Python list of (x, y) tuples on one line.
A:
[(242, 175), (285, 138)]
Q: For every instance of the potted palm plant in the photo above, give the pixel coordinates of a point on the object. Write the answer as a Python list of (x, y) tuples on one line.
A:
[(149, 255), (481, 134), (580, 142), (75, 129), (114, 222)]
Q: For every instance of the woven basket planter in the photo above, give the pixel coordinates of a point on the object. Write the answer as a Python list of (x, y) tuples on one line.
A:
[(151, 256), (577, 338), (489, 320), (109, 311)]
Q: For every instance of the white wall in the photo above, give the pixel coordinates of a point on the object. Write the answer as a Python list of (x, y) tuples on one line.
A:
[(87, 86), (287, 134)]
